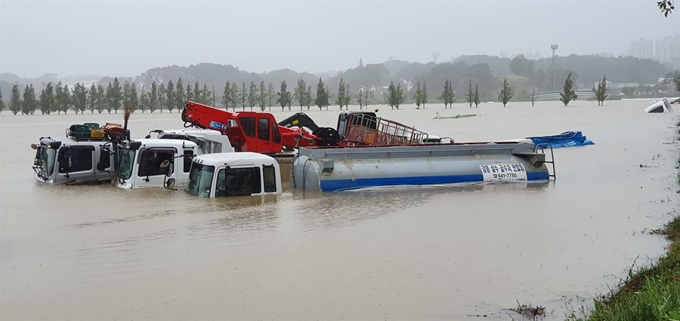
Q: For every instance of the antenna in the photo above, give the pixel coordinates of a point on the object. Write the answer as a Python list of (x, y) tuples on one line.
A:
[(435, 56)]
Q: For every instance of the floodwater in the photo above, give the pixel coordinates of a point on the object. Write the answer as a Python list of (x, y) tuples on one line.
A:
[(410, 253)]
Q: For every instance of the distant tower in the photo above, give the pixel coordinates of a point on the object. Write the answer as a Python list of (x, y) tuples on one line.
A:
[(435, 56), (361, 62), (554, 47)]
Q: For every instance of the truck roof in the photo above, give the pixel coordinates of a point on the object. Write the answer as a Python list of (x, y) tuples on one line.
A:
[(240, 157), (157, 142)]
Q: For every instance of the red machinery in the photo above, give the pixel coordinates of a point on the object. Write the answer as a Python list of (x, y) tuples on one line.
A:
[(258, 131), (255, 131)]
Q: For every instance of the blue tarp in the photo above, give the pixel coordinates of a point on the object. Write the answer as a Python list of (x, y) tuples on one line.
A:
[(566, 139)]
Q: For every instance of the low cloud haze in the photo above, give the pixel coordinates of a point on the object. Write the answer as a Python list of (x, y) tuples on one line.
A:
[(124, 38)]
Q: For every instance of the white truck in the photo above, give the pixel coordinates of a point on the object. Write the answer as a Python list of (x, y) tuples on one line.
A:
[(232, 174), (149, 162)]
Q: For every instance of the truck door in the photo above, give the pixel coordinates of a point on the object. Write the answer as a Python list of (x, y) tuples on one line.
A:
[(264, 134), (75, 164), (150, 173)]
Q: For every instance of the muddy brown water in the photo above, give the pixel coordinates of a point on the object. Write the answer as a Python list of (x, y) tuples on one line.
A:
[(429, 253)]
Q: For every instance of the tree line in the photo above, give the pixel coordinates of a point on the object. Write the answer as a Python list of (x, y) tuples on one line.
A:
[(169, 96)]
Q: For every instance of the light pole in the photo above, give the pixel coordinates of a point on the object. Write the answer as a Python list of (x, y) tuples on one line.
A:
[(554, 47)]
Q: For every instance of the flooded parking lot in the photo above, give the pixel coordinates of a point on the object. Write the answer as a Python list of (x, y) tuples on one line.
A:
[(406, 253)]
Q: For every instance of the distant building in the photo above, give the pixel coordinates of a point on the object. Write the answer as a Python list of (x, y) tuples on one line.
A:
[(668, 51), (641, 49)]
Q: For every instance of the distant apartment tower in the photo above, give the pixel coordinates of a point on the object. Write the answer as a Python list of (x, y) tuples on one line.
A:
[(642, 49), (668, 51)]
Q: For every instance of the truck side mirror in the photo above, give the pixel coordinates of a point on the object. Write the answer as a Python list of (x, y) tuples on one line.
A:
[(170, 183), (165, 167)]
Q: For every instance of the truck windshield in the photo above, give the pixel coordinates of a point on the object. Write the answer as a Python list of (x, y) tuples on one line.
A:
[(127, 161), (200, 179), (45, 159)]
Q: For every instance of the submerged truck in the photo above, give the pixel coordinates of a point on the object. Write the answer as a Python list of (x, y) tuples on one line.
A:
[(233, 174), (85, 155), (150, 162)]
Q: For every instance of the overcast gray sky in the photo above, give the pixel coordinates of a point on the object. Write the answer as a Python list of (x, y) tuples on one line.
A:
[(124, 38)]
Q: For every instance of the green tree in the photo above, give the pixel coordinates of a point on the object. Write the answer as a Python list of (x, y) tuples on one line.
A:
[(15, 102), (568, 93), (601, 91), (92, 99), (102, 103), (448, 96), (58, 96), (395, 95), (207, 95), (170, 93), (2, 102), (235, 95), (533, 97), (425, 98), (308, 97), (197, 95), (144, 100), (47, 99), (506, 93), (79, 98), (476, 97), (153, 97), (284, 97), (322, 98), (262, 97), (134, 100), (252, 95), (65, 103), (190, 94), (270, 95), (470, 98), (360, 98), (116, 95), (126, 94), (162, 97), (666, 6), (180, 98), (244, 96), (300, 92), (226, 96), (677, 82), (417, 95), (30, 103), (343, 98)]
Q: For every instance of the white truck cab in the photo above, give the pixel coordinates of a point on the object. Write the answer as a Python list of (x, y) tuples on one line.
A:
[(233, 174), (150, 162), (140, 162)]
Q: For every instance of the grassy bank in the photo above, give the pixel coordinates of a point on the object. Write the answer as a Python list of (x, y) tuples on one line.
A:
[(652, 293)]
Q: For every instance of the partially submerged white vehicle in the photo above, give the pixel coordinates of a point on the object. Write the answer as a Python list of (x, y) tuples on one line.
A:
[(660, 106), (233, 174), (149, 162), (207, 139), (85, 155)]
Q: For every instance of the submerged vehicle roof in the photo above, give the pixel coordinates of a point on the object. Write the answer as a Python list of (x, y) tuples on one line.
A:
[(157, 142), (240, 157), (191, 131)]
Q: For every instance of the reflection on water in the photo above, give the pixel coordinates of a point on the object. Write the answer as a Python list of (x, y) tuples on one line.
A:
[(416, 252)]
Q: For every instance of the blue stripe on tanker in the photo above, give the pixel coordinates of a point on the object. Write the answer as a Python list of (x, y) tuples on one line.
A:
[(348, 184)]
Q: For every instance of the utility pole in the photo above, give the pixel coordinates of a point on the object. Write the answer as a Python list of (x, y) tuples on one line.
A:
[(554, 47)]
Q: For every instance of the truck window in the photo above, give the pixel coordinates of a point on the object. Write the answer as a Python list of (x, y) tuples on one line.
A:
[(187, 160), (76, 159), (248, 125), (150, 162), (238, 182), (269, 173), (105, 158), (276, 135), (263, 128)]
